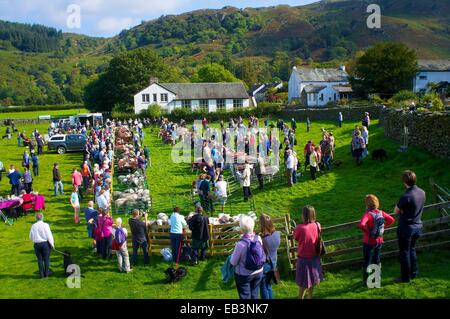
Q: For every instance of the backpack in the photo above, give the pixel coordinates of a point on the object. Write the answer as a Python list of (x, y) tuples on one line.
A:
[(120, 237), (378, 224), (255, 256)]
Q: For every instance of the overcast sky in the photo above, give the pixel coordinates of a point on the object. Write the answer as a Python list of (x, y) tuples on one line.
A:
[(108, 17)]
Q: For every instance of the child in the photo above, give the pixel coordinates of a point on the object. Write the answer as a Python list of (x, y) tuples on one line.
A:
[(75, 202), (120, 246)]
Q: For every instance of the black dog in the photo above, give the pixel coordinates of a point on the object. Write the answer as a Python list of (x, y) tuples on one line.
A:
[(337, 163), (174, 275), (379, 154), (67, 262)]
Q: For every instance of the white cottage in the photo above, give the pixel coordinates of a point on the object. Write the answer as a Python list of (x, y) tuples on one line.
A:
[(431, 71), (316, 87), (208, 97)]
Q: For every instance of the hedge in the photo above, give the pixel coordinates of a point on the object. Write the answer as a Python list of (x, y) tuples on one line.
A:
[(30, 108)]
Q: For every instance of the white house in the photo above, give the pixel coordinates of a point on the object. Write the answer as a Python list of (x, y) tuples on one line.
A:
[(316, 87), (209, 97), (431, 71), (259, 91)]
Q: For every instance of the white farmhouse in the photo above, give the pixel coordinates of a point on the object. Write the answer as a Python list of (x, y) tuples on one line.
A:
[(316, 87), (208, 97), (431, 71)]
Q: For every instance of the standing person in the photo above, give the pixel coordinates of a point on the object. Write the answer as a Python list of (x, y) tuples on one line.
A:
[(260, 170), (139, 236), (366, 120), (221, 192), (246, 180), (199, 225), (105, 223), (57, 183), (14, 179), (19, 139), (26, 160), (248, 273), (35, 162), (177, 225), (327, 154), (40, 144), (358, 146), (75, 202), (372, 224), (314, 162), (307, 150), (204, 189), (42, 238), (309, 268), (77, 180), (147, 155), (365, 136), (28, 180), (410, 209), (271, 242), (86, 175), (290, 162), (120, 235), (2, 169), (308, 124), (293, 124), (340, 119), (91, 216)]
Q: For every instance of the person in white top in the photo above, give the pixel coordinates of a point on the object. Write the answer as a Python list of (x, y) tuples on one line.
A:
[(42, 238), (246, 179), (290, 161), (221, 192)]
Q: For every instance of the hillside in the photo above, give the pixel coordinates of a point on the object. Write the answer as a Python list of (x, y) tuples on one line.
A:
[(40, 65)]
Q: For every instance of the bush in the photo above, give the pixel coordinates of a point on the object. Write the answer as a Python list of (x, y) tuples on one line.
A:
[(152, 111), (404, 95), (123, 108), (435, 100), (376, 99)]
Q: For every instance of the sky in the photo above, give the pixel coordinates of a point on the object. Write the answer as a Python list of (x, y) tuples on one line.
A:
[(106, 18)]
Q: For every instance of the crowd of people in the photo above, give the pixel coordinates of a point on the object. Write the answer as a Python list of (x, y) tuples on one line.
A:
[(253, 262)]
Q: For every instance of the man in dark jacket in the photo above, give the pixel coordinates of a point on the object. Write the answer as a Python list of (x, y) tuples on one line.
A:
[(204, 189), (199, 225), (35, 161), (40, 143), (14, 180), (57, 183)]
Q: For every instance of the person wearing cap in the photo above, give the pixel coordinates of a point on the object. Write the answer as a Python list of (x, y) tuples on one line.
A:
[(42, 238)]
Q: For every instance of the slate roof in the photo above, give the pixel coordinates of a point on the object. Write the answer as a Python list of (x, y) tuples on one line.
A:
[(321, 75), (313, 88), (434, 65), (343, 89), (200, 91)]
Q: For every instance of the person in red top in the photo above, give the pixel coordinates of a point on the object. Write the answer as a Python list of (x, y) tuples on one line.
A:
[(77, 180), (309, 268), (307, 150), (371, 223), (27, 201)]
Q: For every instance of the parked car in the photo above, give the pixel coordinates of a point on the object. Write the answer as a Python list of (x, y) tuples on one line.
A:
[(67, 143)]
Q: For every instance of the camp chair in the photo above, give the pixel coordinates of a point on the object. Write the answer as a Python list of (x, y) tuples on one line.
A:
[(7, 220)]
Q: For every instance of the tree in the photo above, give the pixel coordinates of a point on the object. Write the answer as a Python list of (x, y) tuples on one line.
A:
[(281, 66), (127, 74), (386, 68), (213, 72)]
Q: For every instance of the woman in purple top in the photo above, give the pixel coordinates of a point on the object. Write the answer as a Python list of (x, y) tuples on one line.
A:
[(271, 243), (247, 281)]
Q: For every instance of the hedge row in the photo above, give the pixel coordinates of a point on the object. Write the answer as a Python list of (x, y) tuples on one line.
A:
[(30, 108)]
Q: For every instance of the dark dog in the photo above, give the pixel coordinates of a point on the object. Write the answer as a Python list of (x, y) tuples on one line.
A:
[(379, 154), (337, 163), (67, 262), (174, 275)]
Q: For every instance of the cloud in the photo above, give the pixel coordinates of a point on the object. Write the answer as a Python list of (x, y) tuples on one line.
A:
[(113, 25)]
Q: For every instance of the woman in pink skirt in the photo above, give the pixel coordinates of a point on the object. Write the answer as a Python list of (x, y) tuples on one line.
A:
[(309, 269)]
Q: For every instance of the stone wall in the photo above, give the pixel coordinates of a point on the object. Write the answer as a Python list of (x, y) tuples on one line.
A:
[(331, 114), (26, 121), (428, 131)]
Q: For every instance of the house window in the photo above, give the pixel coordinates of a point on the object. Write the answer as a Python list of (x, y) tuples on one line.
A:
[(164, 97), (155, 98), (238, 103), (321, 97), (335, 97), (186, 104), (204, 105), (422, 77), (220, 105), (145, 98)]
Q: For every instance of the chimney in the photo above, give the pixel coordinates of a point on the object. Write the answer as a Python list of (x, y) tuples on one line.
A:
[(342, 68), (154, 80)]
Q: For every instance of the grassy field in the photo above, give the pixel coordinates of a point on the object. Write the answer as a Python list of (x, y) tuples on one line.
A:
[(338, 197), (35, 115)]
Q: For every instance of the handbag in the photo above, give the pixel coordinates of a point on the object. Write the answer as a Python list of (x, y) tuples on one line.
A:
[(273, 274), (320, 246)]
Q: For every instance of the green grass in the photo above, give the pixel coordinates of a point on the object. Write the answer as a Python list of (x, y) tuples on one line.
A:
[(35, 115), (338, 197)]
